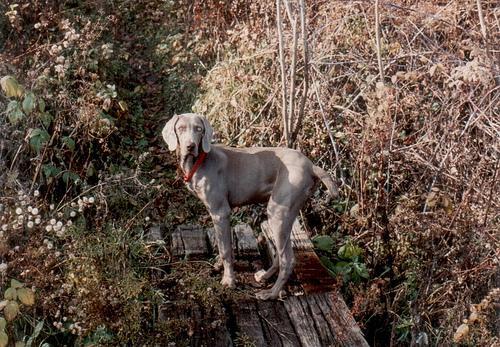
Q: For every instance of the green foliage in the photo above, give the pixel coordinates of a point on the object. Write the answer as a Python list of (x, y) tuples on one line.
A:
[(38, 137), (14, 112), (347, 262)]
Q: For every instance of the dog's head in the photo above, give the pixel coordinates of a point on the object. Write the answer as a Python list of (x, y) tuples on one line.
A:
[(187, 132)]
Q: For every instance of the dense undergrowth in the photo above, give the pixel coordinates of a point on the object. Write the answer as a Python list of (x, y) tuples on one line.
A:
[(84, 175)]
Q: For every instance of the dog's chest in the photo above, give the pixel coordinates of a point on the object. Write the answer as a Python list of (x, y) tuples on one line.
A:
[(195, 186)]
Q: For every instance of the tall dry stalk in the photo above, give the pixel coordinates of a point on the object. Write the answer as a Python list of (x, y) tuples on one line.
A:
[(279, 26), (377, 38), (292, 115)]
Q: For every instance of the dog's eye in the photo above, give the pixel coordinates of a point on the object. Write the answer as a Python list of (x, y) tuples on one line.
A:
[(199, 129), (182, 128)]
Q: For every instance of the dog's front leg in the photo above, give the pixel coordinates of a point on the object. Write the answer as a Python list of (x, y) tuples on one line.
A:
[(223, 235)]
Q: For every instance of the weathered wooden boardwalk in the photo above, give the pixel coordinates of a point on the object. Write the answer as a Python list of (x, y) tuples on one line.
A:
[(313, 314)]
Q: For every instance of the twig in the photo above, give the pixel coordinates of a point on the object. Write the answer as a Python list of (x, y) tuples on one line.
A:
[(377, 38), (305, 90), (484, 32), (330, 135), (291, 101), (279, 25)]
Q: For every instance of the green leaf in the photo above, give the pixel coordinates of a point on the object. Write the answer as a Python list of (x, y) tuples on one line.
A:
[(343, 267), (70, 176), (36, 332), (3, 323), (11, 310), (11, 87), (46, 119), (69, 142), (50, 171), (26, 296), (14, 112), (90, 170), (10, 294), (360, 269), (29, 103), (349, 251), (4, 339), (37, 138), (323, 243), (16, 284), (41, 105)]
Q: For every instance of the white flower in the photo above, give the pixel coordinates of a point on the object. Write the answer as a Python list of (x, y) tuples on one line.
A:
[(56, 228), (72, 214), (34, 211), (91, 200), (59, 224), (38, 220), (36, 193), (19, 210), (48, 228), (53, 221), (60, 233), (30, 209), (3, 267), (49, 245), (20, 218), (85, 200), (5, 227), (38, 25), (51, 206), (30, 224), (69, 223), (147, 219)]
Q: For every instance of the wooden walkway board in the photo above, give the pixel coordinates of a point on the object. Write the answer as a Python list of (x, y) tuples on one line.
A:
[(189, 241), (244, 241), (319, 318)]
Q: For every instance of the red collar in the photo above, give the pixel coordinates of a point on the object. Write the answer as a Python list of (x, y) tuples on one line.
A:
[(196, 166)]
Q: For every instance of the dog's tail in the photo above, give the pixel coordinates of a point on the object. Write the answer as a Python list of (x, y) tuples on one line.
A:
[(327, 181)]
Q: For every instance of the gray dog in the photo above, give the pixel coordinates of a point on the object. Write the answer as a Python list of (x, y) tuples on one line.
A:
[(223, 177)]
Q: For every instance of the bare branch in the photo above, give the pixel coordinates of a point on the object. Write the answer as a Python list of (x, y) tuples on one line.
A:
[(305, 89), (377, 38), (293, 70), (279, 25)]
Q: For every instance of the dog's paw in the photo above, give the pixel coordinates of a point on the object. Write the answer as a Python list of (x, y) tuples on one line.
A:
[(228, 281), (267, 294), (259, 276)]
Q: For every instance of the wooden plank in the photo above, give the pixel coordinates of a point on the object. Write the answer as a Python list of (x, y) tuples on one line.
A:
[(322, 327), (248, 322), (289, 336), (302, 322), (246, 243), (340, 319), (177, 244), (270, 323), (194, 239)]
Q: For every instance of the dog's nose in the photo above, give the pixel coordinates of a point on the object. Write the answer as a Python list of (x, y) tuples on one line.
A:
[(190, 147)]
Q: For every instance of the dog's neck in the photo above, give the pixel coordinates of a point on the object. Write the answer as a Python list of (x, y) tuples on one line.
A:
[(186, 163)]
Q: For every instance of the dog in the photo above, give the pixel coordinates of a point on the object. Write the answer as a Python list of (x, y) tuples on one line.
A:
[(225, 177)]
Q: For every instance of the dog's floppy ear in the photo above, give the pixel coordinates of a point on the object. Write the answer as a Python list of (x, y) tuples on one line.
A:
[(168, 133), (207, 135)]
